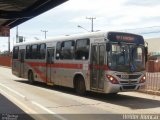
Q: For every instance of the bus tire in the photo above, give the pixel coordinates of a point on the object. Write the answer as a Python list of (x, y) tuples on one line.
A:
[(80, 86), (30, 77)]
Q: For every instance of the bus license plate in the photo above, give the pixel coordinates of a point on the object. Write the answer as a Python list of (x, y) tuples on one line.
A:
[(124, 76)]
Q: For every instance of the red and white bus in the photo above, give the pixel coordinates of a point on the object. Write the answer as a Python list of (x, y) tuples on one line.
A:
[(107, 62)]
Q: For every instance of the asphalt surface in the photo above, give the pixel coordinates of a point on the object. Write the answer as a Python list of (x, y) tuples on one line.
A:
[(44, 102), (9, 110)]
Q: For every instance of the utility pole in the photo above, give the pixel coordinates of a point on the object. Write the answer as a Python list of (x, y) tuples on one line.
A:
[(45, 31), (91, 18)]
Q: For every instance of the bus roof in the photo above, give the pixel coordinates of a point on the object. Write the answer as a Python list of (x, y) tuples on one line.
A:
[(76, 36), (66, 37)]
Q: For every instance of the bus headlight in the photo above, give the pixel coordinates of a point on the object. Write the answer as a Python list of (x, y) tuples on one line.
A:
[(112, 79), (143, 79)]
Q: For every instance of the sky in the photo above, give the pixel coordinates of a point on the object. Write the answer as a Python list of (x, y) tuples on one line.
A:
[(136, 16)]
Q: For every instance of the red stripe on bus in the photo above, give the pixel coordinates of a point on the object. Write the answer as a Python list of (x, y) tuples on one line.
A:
[(68, 66), (57, 65), (36, 64), (98, 67), (41, 74)]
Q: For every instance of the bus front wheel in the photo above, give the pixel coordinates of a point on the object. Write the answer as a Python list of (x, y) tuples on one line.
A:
[(80, 86), (31, 77)]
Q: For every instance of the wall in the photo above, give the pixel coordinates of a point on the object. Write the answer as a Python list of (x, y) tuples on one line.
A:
[(5, 60), (153, 45)]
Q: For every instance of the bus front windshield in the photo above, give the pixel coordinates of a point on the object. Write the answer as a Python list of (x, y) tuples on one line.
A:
[(126, 58)]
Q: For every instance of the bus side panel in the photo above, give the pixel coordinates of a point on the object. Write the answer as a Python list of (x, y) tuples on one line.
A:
[(66, 70), (16, 67), (38, 68)]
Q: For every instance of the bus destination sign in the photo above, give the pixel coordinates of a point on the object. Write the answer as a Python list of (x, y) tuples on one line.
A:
[(125, 37)]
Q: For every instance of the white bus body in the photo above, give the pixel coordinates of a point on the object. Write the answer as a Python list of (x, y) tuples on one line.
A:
[(107, 62)]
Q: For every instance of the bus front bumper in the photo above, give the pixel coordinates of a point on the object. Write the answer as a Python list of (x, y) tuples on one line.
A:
[(115, 88)]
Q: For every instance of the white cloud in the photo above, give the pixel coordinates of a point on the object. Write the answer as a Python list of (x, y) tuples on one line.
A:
[(77, 19), (110, 15)]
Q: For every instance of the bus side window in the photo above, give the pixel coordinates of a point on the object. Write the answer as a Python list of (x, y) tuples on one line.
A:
[(15, 52), (34, 50), (82, 49), (68, 49), (28, 52), (42, 51), (58, 50)]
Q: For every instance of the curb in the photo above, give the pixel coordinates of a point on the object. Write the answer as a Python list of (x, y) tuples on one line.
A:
[(151, 92)]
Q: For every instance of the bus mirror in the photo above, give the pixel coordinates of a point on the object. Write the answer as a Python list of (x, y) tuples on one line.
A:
[(108, 47), (146, 50), (146, 54)]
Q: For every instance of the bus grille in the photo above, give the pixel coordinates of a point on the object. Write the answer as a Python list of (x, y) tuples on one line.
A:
[(126, 82), (129, 87), (129, 76)]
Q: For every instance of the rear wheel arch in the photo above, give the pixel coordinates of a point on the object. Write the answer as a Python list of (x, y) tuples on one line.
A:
[(79, 84)]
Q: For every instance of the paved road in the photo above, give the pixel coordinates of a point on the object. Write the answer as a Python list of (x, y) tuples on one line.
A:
[(44, 102), (8, 110)]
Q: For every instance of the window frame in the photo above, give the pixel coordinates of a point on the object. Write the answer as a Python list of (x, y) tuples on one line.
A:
[(42, 52), (15, 53)]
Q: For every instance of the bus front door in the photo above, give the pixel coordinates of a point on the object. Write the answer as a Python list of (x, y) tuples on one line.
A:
[(97, 67), (21, 65), (49, 66)]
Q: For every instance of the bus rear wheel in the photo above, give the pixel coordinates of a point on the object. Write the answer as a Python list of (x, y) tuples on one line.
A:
[(31, 77), (80, 86)]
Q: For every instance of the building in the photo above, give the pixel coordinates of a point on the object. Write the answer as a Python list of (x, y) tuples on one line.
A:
[(153, 45)]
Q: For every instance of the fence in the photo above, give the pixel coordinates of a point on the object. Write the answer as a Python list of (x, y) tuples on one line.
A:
[(153, 81), (152, 76)]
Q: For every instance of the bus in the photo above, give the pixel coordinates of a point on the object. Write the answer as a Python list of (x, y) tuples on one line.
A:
[(105, 62)]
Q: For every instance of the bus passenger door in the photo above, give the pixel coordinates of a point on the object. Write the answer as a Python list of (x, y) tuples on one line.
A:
[(49, 66), (97, 66), (21, 65)]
